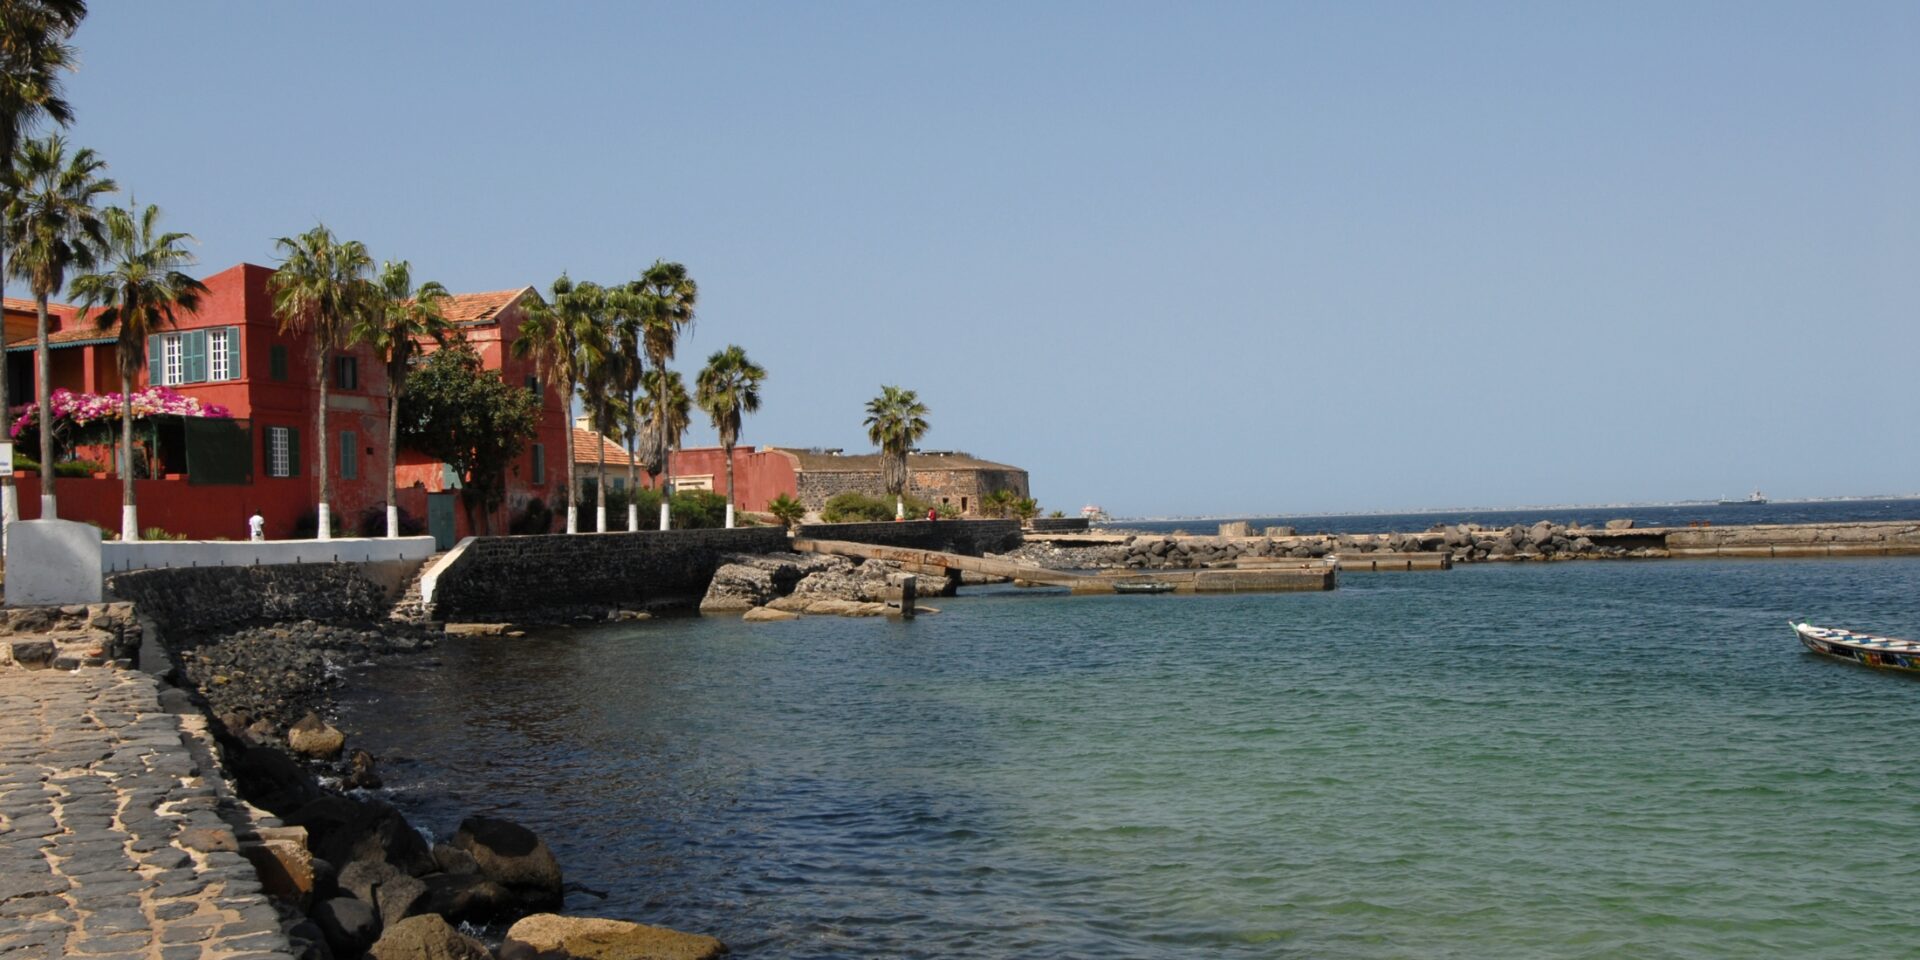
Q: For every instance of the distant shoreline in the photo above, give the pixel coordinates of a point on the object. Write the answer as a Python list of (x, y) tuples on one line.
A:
[(1230, 517)]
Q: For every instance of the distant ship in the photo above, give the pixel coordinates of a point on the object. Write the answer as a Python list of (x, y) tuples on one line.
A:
[(1753, 499)]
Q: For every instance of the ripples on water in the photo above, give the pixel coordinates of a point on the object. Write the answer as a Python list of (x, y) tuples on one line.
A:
[(1574, 760)]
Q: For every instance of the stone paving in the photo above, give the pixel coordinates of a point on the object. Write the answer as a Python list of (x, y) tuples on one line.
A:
[(111, 840)]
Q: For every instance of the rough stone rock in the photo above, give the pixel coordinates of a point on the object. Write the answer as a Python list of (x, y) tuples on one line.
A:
[(512, 856), (426, 937), (1582, 545), (1540, 532), (33, 654), (285, 868), (1622, 523), (1280, 531), (400, 898), (549, 937), (1503, 546), (363, 877), (454, 860), (345, 830), (360, 773), (469, 898), (792, 603), (348, 923), (477, 629), (769, 614), (737, 586), (208, 840), (846, 608), (316, 738)]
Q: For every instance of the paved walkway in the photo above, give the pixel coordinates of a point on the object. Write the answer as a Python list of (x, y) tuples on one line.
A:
[(110, 841)]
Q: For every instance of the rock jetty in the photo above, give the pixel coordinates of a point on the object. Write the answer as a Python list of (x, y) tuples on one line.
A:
[(771, 586)]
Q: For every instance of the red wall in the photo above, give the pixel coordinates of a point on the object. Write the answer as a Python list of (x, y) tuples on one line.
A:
[(199, 512), (758, 475)]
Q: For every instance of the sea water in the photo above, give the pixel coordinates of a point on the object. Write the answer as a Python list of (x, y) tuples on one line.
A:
[(1629, 759)]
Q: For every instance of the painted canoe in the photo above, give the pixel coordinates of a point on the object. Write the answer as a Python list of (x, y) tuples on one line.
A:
[(1884, 653)]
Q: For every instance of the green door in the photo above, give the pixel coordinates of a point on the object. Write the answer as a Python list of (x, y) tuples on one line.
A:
[(440, 520)]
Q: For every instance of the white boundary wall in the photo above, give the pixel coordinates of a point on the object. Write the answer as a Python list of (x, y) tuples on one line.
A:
[(117, 557), (60, 562)]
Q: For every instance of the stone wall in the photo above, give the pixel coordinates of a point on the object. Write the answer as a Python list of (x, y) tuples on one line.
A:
[(505, 577), (196, 599), (1059, 525), (961, 488), (971, 537)]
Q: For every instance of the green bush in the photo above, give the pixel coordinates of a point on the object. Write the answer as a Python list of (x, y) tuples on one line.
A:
[(160, 533), (77, 468), (787, 510), (855, 507)]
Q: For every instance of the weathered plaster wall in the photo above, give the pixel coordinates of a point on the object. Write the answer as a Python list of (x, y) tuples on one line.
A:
[(960, 488)]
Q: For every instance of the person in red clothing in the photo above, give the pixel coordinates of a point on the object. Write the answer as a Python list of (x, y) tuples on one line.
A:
[(932, 514)]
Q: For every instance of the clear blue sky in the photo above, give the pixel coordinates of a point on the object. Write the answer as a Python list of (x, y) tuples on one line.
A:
[(1171, 258)]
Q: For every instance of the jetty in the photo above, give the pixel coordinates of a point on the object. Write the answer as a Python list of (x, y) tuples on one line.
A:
[(1260, 576)]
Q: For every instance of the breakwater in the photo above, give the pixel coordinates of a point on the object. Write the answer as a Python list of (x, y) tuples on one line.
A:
[(1469, 543)]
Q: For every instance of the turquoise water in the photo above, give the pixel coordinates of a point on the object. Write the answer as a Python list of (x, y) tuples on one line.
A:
[(1568, 760)]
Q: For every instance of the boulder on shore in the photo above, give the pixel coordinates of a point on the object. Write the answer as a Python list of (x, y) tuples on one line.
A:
[(768, 614), (547, 936), (316, 738), (426, 937), (1621, 523), (513, 857)]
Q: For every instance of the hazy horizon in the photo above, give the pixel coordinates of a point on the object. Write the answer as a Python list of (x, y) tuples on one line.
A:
[(1213, 257)]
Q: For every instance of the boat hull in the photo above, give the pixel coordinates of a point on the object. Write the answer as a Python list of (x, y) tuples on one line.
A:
[(1880, 653)]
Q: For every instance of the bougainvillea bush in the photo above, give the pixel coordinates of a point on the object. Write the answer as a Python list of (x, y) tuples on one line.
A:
[(94, 418)]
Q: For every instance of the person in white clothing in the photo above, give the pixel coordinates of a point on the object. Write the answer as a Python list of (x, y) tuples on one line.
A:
[(257, 526)]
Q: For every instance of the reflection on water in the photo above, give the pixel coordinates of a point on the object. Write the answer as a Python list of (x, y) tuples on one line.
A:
[(1627, 759)]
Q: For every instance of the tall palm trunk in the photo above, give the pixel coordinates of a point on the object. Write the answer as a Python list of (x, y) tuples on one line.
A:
[(573, 500), (393, 459), (729, 447), (49, 508), (600, 487), (129, 514), (9, 494), (633, 473), (324, 530)]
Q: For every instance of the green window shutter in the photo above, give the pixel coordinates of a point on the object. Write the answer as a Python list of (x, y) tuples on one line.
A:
[(277, 361), (153, 357), (349, 455), (193, 356), (539, 463), (293, 451), (266, 451)]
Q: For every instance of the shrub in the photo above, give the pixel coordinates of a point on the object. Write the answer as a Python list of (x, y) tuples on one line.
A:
[(856, 507), (787, 510), (307, 524), (77, 468), (160, 533), (535, 517), (373, 523)]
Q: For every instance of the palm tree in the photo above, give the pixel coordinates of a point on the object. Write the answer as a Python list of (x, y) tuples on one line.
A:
[(626, 362), (53, 227), (665, 407), (141, 291), (599, 378), (320, 288), (727, 389), (33, 52), (669, 295), (393, 324), (896, 420), (560, 338)]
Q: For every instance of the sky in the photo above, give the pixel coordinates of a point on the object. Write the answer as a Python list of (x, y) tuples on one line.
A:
[(1197, 258)]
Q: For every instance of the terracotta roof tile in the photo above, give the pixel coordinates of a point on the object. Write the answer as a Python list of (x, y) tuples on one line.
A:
[(86, 333), (583, 451), (478, 307)]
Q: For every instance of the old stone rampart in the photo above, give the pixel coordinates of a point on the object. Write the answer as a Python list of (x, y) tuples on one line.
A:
[(971, 537), (195, 599), (503, 577)]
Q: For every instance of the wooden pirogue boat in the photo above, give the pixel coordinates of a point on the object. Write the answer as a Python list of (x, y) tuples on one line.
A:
[(1884, 653)]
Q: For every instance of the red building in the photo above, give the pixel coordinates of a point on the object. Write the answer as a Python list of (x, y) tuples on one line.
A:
[(231, 352)]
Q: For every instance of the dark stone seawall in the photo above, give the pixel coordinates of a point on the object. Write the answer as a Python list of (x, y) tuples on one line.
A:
[(195, 599), (499, 577), (971, 537)]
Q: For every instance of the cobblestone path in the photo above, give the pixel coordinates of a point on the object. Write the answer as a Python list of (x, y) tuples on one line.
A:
[(111, 844)]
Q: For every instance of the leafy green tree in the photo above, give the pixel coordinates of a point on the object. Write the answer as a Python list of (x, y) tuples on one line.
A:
[(461, 414), (787, 510), (896, 420), (393, 322), (53, 226), (320, 288), (668, 296), (560, 336), (142, 288), (33, 53), (728, 388)]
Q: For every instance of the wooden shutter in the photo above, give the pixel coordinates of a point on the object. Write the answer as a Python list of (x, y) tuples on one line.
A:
[(193, 356), (293, 452), (153, 357)]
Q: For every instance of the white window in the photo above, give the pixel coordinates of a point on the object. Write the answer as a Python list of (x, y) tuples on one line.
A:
[(279, 452), (171, 370), (219, 347)]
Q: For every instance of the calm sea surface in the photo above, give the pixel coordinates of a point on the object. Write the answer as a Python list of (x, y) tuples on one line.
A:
[(1567, 760), (1827, 511)]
